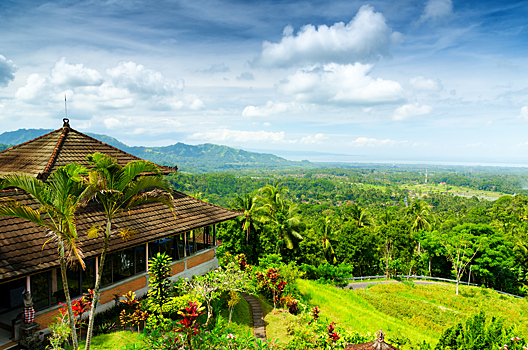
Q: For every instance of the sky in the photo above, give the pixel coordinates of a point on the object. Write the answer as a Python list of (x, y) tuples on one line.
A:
[(432, 81)]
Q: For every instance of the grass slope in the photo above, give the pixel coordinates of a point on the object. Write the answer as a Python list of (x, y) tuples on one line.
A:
[(418, 312)]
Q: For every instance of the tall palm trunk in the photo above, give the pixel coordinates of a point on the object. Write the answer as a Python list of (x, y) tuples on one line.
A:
[(89, 331), (63, 268)]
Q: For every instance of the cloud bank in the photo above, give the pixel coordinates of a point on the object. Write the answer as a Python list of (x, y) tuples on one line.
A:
[(364, 39)]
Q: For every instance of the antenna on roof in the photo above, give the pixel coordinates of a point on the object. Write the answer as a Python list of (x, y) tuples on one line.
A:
[(66, 121)]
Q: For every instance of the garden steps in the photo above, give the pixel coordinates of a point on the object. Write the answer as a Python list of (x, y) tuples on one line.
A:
[(259, 326)]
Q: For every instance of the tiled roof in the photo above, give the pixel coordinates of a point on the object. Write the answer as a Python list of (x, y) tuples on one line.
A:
[(41, 156), (374, 345), (21, 242)]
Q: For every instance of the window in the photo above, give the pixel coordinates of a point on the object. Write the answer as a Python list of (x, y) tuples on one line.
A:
[(123, 264), (47, 287)]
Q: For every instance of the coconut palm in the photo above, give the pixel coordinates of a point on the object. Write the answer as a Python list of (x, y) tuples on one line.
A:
[(119, 188), (324, 229), (359, 216), (282, 214), (59, 197), (420, 216), (250, 217)]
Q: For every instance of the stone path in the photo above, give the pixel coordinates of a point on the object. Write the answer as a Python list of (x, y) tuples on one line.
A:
[(259, 326)]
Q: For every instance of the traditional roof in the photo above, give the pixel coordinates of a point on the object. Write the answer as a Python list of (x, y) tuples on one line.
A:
[(378, 344), (41, 156), (22, 249)]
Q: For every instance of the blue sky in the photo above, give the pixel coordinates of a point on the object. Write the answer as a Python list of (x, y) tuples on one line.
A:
[(436, 80)]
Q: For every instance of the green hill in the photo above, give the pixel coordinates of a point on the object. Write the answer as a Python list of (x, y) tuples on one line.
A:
[(416, 312), (196, 159)]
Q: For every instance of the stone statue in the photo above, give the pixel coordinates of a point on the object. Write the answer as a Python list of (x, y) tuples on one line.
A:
[(29, 311)]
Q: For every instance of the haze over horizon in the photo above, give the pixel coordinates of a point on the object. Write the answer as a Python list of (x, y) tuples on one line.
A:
[(436, 79)]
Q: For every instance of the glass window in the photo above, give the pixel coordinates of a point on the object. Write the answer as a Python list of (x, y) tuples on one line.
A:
[(107, 270), (40, 289), (12, 293), (140, 259), (123, 264), (153, 248), (57, 289), (88, 276), (74, 280), (179, 244)]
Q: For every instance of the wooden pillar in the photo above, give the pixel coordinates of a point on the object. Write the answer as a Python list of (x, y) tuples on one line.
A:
[(96, 266), (214, 235), (147, 257), (185, 244)]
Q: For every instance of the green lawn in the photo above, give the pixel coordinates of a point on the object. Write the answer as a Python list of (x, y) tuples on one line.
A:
[(114, 341), (418, 312)]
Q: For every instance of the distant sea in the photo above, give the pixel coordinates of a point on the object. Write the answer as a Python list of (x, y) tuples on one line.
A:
[(319, 157)]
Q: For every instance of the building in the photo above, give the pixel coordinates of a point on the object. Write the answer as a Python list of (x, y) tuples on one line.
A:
[(27, 264)]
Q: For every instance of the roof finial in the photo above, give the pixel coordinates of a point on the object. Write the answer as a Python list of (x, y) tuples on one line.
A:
[(66, 120)]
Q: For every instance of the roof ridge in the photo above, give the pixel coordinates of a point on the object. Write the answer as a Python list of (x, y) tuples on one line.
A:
[(10, 148), (119, 150), (45, 173)]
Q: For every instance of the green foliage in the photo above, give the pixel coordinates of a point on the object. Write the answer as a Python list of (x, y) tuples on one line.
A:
[(328, 273), (160, 285), (479, 333)]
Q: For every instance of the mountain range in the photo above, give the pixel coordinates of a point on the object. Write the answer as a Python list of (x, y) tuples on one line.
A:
[(189, 158)]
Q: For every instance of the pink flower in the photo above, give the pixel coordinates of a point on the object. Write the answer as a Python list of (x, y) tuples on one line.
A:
[(231, 336), (515, 339)]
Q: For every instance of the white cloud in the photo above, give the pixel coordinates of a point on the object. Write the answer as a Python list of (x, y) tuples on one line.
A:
[(34, 91), (246, 76), (271, 108), (197, 104), (128, 85), (364, 39), (524, 113), (7, 71), (73, 75), (436, 9), (145, 82), (411, 110), (112, 123), (421, 83), (226, 135), (341, 84), (317, 138), (372, 142)]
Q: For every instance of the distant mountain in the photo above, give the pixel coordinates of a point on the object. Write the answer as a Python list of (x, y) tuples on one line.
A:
[(201, 158)]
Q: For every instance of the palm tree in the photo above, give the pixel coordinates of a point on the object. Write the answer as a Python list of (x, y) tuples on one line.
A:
[(59, 198), (119, 188), (281, 213), (325, 231), (249, 218), (420, 216), (359, 216)]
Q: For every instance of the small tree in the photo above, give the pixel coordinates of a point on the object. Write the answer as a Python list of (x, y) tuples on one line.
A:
[(160, 285), (234, 299), (460, 246), (211, 285)]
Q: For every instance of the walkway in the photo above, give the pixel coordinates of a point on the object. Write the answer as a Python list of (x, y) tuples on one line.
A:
[(259, 326)]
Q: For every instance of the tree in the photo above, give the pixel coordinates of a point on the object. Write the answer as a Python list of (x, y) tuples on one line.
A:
[(119, 188), (359, 216), (281, 213), (211, 285), (249, 218), (59, 198), (420, 216), (324, 229), (461, 246)]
